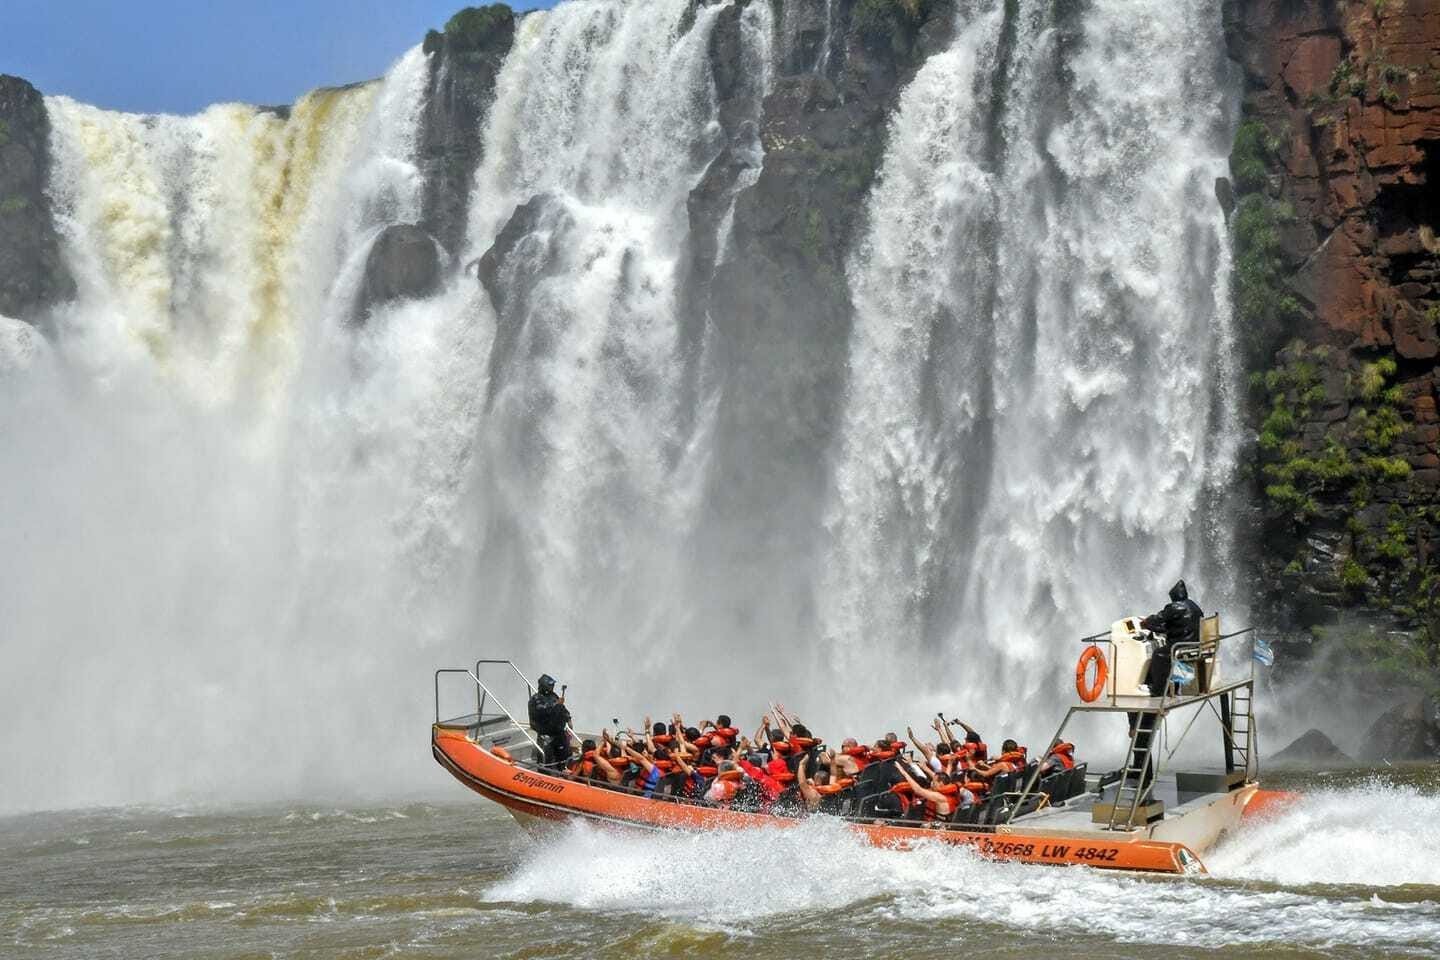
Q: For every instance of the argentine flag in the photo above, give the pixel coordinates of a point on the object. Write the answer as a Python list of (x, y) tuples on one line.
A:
[(1264, 653), (1181, 672)]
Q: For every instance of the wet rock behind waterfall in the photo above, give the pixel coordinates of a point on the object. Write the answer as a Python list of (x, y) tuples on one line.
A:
[(403, 264), (1410, 731), (32, 275)]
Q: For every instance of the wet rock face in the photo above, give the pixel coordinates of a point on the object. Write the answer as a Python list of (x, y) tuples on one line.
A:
[(1410, 731), (32, 276), (1337, 171), (404, 263), (778, 300), (464, 62)]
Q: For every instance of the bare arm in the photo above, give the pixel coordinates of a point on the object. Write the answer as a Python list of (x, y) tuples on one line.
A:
[(807, 789), (942, 729), (942, 802), (607, 768), (640, 758)]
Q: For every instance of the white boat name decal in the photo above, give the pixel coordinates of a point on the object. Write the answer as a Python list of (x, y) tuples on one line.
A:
[(529, 781)]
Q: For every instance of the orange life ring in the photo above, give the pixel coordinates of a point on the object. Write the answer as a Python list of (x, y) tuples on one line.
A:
[(1102, 672), (502, 753)]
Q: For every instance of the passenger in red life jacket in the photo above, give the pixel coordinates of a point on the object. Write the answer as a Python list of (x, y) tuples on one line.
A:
[(608, 760), (583, 767), (974, 749), (939, 797), (1012, 760), (717, 734), (769, 787), (852, 757), (726, 783), (1061, 757)]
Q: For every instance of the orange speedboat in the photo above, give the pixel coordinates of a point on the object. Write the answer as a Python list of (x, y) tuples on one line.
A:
[(1137, 818)]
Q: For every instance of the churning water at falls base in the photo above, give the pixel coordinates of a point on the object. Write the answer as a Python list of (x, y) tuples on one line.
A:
[(1353, 872)]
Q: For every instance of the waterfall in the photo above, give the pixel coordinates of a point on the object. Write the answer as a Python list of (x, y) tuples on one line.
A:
[(1038, 405), (253, 526), (209, 484), (605, 117)]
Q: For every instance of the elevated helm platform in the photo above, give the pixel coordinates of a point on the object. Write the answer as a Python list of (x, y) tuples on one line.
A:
[(1137, 818)]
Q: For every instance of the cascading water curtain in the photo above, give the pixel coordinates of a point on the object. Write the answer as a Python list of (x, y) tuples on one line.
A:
[(1040, 402)]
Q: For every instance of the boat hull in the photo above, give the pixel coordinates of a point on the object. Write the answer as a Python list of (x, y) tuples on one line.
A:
[(536, 798)]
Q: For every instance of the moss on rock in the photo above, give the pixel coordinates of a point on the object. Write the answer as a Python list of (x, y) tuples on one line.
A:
[(475, 29)]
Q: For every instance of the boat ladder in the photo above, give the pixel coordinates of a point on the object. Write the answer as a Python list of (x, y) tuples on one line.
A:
[(1138, 773), (1240, 736)]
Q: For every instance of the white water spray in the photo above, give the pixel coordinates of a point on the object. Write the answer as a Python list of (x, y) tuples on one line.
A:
[(1039, 352), (747, 884)]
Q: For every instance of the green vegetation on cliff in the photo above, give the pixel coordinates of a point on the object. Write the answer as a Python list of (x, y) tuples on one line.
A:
[(475, 29)]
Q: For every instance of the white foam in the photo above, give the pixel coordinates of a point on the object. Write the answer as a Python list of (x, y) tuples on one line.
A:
[(739, 882), (1371, 834)]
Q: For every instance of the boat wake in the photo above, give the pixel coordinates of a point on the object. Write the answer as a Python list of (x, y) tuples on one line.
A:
[(1374, 833), (1303, 860)]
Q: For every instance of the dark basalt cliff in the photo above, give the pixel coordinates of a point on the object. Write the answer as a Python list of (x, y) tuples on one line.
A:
[(32, 276), (1336, 175)]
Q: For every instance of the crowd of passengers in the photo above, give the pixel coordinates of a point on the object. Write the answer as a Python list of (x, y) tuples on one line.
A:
[(784, 768)]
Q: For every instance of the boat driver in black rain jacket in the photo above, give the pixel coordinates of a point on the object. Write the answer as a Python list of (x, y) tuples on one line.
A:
[(1179, 622), (549, 717)]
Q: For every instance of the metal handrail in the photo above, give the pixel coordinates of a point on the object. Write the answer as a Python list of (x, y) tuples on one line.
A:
[(485, 693)]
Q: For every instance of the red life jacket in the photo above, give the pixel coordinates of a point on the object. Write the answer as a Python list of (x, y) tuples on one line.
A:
[(1064, 753), (1012, 761), (769, 786)]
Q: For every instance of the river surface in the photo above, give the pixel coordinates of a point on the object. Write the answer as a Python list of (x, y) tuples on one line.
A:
[(1353, 871)]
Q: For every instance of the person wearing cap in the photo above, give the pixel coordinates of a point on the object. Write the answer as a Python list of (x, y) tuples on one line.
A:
[(549, 718)]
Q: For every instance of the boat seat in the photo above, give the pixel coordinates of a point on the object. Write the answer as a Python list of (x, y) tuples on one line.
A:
[(1056, 786), (1029, 805), (1076, 786)]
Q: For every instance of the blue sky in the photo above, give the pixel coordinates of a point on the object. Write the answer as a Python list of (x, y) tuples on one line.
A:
[(177, 56)]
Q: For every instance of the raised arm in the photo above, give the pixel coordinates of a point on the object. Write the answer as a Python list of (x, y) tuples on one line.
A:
[(606, 767), (942, 802), (783, 719), (639, 758), (942, 730), (808, 792)]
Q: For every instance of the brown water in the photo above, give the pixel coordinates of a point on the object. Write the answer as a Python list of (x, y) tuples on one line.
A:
[(1354, 871)]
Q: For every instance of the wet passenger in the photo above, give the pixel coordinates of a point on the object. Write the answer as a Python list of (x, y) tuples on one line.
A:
[(726, 784)]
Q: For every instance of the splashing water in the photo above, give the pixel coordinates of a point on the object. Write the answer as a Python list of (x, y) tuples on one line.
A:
[(743, 884), (1376, 834)]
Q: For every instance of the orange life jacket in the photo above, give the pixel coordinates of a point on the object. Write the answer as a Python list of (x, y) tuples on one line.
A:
[(825, 789), (1064, 752)]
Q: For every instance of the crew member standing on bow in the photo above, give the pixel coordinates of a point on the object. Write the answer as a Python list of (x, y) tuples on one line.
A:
[(549, 718)]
